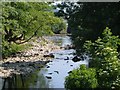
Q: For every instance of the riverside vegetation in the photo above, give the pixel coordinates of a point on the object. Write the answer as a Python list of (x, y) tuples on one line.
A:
[(23, 26), (104, 67), (86, 23), (23, 20)]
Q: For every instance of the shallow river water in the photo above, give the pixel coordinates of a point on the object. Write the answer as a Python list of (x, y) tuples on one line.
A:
[(53, 74)]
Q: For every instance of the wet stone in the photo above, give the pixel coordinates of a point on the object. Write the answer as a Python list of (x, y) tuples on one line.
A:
[(76, 59), (66, 58), (48, 77), (71, 65), (50, 73), (69, 72), (67, 61), (48, 67), (56, 72)]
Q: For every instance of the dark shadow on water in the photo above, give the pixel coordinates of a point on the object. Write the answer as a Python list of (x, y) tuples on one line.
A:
[(24, 82), (27, 79)]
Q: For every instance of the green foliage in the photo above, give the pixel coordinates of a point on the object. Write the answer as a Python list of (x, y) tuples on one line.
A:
[(81, 78), (23, 20), (11, 49), (88, 20), (58, 26), (104, 65), (105, 59), (103, 47)]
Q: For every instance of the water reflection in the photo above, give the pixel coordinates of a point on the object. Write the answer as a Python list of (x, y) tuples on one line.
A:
[(53, 74), (22, 81), (59, 68)]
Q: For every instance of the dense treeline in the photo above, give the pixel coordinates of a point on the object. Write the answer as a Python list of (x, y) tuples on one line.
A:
[(88, 24), (23, 20), (88, 20)]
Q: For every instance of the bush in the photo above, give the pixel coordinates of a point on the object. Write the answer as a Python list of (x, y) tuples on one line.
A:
[(105, 59), (104, 70), (81, 78), (11, 49)]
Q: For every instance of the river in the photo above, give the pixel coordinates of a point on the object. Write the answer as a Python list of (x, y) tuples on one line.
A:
[(53, 74)]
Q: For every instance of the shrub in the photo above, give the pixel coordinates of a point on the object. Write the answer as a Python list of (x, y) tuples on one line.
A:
[(81, 78), (105, 59)]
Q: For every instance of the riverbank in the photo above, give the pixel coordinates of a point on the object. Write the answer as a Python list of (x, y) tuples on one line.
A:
[(27, 61)]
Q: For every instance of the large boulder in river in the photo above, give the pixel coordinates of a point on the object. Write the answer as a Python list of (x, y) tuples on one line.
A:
[(76, 59)]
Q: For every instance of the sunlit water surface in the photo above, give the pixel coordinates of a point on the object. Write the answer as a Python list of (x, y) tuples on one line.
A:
[(56, 70)]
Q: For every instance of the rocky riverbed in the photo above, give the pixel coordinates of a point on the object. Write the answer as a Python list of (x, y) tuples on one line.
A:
[(29, 60)]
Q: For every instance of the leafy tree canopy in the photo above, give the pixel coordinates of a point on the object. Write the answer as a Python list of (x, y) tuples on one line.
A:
[(23, 20), (88, 20)]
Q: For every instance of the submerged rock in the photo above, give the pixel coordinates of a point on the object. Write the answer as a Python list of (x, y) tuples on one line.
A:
[(48, 77), (67, 61), (71, 65), (56, 72)]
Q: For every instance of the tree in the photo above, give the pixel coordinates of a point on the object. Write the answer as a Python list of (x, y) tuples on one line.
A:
[(105, 59), (84, 78), (104, 69), (23, 20), (88, 20)]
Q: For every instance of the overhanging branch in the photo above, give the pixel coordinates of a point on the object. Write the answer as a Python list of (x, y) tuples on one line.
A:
[(30, 37)]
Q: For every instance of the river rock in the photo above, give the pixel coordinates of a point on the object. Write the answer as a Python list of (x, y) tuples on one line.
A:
[(82, 58), (17, 61), (48, 67), (31, 64), (66, 58), (69, 72), (49, 55), (76, 59), (67, 47), (26, 61), (71, 65), (48, 77), (56, 72), (41, 49), (67, 61), (50, 73), (36, 54)]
